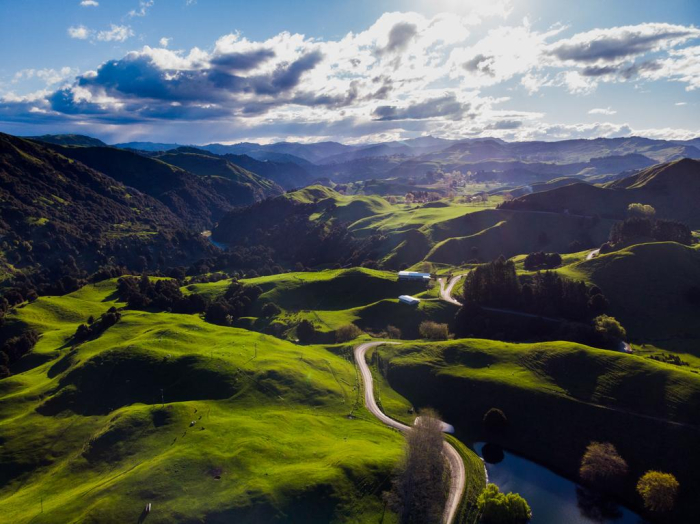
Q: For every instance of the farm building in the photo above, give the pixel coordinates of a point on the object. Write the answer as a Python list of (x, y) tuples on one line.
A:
[(408, 299), (414, 275)]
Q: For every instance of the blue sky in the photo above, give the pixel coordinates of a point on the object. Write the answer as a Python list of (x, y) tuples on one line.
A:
[(360, 71)]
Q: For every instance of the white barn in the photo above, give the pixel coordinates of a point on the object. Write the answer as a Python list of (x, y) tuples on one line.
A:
[(414, 275), (408, 299)]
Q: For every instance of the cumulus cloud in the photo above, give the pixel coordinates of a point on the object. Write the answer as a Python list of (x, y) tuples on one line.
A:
[(80, 32), (115, 33), (602, 111), (405, 74), (142, 10), (89, 3)]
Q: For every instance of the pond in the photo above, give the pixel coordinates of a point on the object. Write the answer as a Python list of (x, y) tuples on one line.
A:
[(552, 498)]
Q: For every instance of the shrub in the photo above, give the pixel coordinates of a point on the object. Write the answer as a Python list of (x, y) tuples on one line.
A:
[(602, 465), (270, 310), (495, 421), (609, 329), (641, 210), (305, 331), (433, 331), (393, 332), (500, 508), (658, 490), (347, 333)]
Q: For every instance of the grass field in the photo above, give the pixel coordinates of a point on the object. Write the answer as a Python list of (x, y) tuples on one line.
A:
[(646, 409), (205, 422)]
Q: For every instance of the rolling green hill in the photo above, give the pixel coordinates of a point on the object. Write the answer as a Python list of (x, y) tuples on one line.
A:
[(206, 423), (672, 188), (557, 398), (200, 201), (648, 286)]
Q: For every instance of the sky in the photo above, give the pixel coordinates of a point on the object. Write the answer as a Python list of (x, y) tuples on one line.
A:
[(362, 71)]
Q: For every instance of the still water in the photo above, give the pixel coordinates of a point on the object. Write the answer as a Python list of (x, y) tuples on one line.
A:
[(552, 498)]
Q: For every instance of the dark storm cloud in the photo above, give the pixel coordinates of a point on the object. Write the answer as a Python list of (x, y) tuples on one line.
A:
[(399, 37), (612, 47), (447, 106), (625, 71), (479, 64), (242, 61)]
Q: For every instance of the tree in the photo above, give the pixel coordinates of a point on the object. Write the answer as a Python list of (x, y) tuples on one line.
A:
[(658, 490), (609, 329), (393, 332), (495, 421), (419, 489), (270, 310), (500, 508), (305, 331), (602, 465), (433, 330), (347, 333), (641, 210)]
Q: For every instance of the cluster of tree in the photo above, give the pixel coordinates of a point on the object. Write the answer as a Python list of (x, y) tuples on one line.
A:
[(419, 489), (496, 285), (495, 300), (94, 328), (165, 294), (648, 227), (15, 348), (234, 304), (496, 507), (433, 330), (306, 331), (541, 260), (604, 468), (347, 333)]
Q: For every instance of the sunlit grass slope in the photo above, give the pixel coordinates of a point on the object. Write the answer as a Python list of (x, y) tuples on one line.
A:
[(207, 423)]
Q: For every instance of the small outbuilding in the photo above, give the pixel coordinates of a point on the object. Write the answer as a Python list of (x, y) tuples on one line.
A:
[(408, 299), (414, 275)]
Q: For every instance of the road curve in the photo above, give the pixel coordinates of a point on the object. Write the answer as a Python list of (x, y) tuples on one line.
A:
[(446, 289), (458, 479)]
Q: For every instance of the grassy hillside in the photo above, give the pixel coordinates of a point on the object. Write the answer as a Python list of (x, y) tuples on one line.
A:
[(558, 397), (648, 286), (206, 423), (672, 188), (489, 234), (335, 298)]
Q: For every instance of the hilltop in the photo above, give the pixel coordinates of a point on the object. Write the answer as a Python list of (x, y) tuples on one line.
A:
[(201, 200), (673, 189)]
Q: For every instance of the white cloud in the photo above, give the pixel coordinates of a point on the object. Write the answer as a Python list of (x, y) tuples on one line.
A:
[(89, 3), (116, 33), (602, 111), (80, 32), (681, 103), (164, 41), (142, 10), (47, 75)]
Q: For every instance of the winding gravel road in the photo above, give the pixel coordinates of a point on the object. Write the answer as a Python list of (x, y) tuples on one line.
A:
[(458, 479)]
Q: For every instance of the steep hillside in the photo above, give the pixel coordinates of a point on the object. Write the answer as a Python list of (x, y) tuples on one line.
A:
[(575, 393), (247, 187), (649, 288), (69, 140), (200, 201), (485, 235), (672, 188), (53, 209), (286, 173)]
